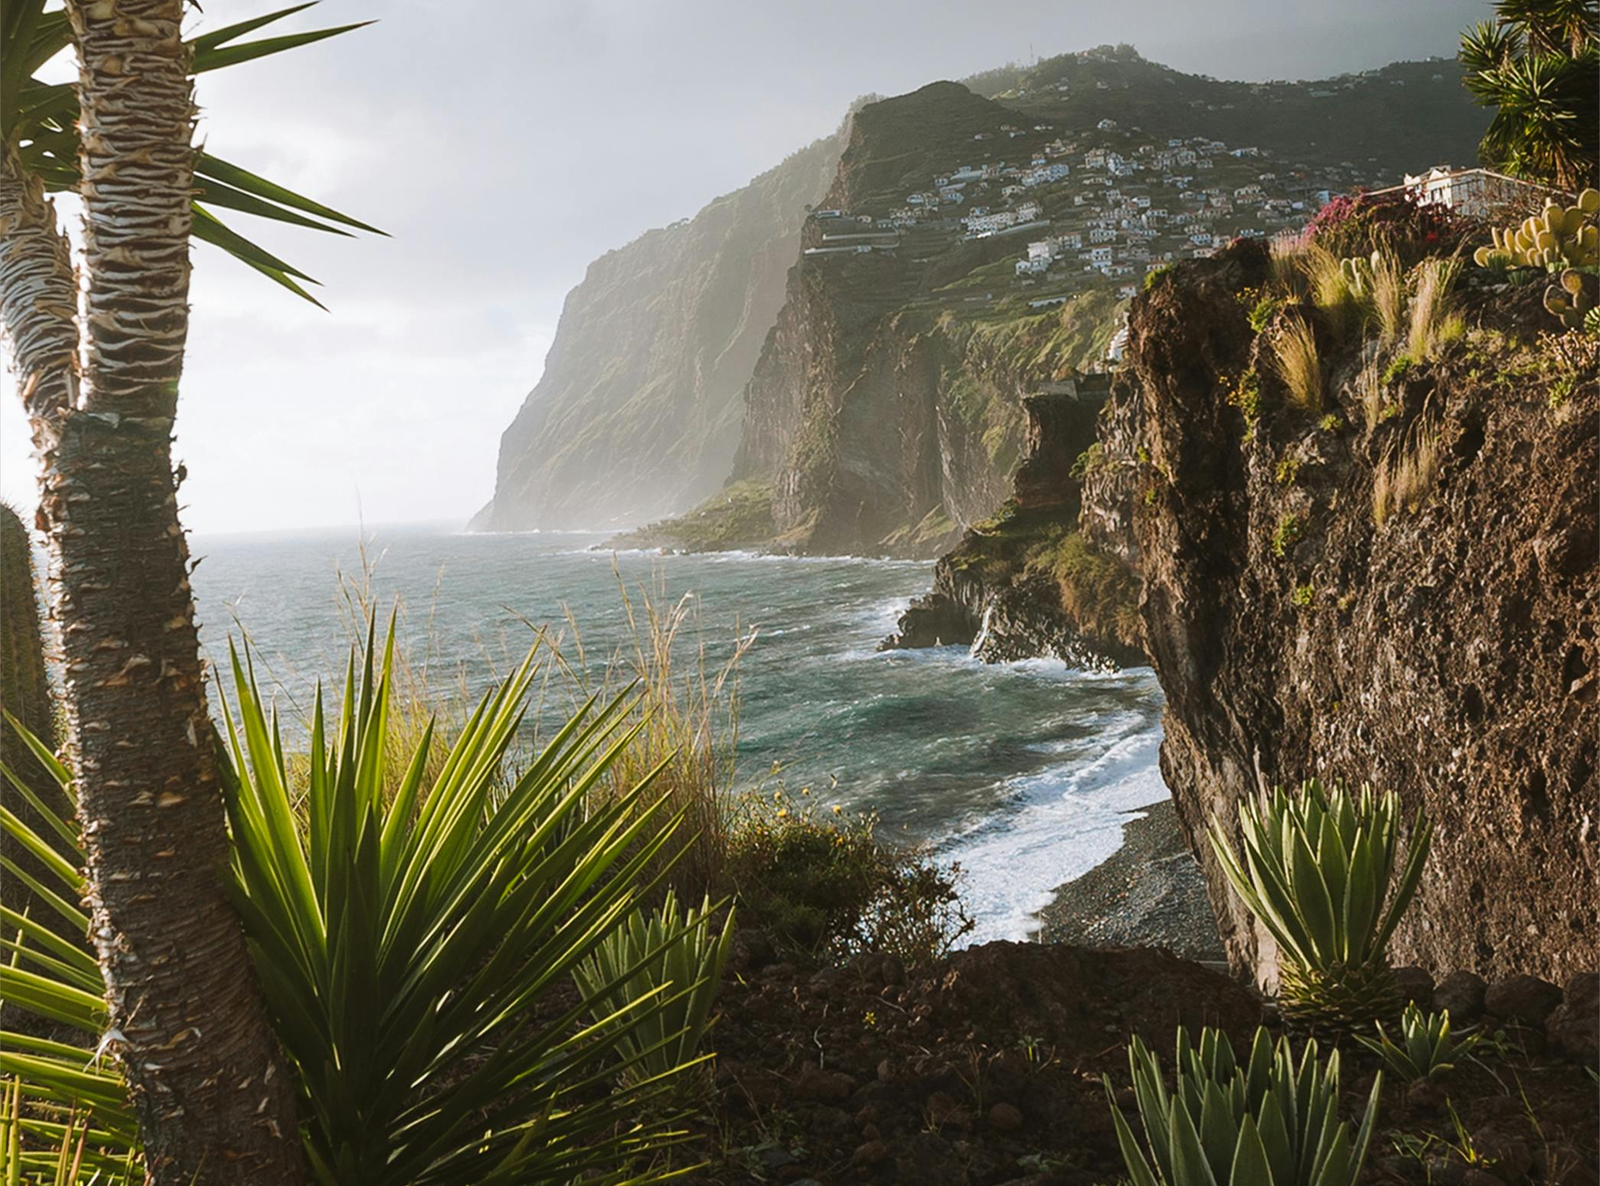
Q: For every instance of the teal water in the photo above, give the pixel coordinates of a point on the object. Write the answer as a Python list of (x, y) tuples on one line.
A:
[(1018, 772)]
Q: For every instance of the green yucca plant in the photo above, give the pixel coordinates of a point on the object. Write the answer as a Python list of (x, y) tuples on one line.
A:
[(670, 949), (1317, 870), (1267, 1123), (404, 937), (406, 933), (1426, 1047), (58, 1147), (61, 1094)]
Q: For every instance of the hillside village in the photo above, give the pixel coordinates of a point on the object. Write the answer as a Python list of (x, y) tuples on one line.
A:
[(1075, 212)]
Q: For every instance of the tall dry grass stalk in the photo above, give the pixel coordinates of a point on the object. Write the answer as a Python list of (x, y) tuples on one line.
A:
[(688, 711), (1370, 390), (1330, 290), (1404, 482), (1388, 295), (1432, 323), (1298, 363)]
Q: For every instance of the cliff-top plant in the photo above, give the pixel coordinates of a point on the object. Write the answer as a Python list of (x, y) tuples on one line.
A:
[(1558, 237), (1299, 364), (1426, 1045), (1359, 224), (1319, 873), (1573, 299), (1538, 65), (1270, 1122), (1433, 324)]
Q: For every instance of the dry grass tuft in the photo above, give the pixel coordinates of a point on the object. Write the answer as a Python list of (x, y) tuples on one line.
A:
[(1388, 295), (1371, 391), (1289, 269), (1432, 322), (1298, 364), (1404, 482), (687, 710), (1331, 292)]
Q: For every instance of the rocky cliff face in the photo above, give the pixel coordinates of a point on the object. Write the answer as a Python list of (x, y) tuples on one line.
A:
[(1440, 642), (638, 411)]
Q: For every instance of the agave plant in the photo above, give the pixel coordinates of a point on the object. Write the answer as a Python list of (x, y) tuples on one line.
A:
[(671, 950), (1267, 1123), (1317, 870), (1426, 1047)]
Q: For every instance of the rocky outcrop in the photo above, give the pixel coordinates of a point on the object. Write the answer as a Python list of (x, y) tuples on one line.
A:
[(1444, 647), (1013, 587), (639, 409)]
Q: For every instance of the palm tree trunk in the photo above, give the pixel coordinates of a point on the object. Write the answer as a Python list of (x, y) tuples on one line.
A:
[(214, 1100)]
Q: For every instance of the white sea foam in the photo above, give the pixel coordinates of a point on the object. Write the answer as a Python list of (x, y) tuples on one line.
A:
[(1059, 824)]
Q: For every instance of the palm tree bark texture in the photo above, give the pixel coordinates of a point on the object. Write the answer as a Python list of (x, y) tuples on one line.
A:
[(215, 1102)]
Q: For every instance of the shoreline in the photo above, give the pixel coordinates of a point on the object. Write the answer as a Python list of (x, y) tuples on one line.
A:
[(1149, 893)]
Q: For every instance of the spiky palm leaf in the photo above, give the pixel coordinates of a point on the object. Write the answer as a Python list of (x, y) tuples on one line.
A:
[(1317, 870), (1538, 65), (40, 119)]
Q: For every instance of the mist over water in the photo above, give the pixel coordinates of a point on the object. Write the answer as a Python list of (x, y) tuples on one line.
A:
[(1019, 772)]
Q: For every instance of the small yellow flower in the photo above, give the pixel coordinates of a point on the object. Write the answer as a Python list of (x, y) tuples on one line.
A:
[(783, 812), (837, 810)]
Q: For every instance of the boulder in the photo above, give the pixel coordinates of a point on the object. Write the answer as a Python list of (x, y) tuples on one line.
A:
[(1526, 1000), (1574, 1025), (1462, 994)]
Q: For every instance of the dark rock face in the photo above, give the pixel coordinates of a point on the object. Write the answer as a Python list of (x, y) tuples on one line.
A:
[(984, 594), (1449, 654)]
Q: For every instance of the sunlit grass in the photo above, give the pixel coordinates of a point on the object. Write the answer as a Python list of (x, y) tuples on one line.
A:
[(1298, 363)]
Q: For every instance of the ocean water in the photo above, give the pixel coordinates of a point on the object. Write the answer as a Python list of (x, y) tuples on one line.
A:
[(1020, 773)]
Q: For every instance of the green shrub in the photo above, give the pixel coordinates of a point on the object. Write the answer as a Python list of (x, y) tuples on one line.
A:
[(1396, 370), (1245, 394), (1267, 1123), (1290, 528), (1303, 596), (1426, 1046), (671, 951), (1316, 873), (1097, 589), (1156, 274), (823, 883), (1091, 460), (1286, 471)]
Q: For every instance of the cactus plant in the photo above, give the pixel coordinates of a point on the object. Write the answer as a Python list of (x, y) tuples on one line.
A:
[(1571, 300), (1269, 1122), (1557, 238)]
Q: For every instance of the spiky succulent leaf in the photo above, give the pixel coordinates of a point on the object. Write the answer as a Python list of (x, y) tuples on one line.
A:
[(1269, 1122)]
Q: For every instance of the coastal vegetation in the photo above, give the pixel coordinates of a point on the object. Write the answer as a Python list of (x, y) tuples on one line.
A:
[(407, 938)]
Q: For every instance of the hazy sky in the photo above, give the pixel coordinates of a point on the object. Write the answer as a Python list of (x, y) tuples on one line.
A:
[(506, 144)]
